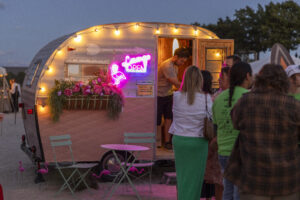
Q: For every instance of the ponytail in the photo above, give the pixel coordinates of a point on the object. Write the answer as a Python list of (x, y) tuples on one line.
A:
[(238, 74)]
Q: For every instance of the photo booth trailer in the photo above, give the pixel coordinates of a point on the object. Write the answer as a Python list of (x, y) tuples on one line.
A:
[(131, 54)]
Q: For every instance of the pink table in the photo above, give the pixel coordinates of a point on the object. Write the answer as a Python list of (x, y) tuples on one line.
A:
[(128, 148)]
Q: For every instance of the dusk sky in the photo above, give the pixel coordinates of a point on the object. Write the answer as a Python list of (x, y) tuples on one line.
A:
[(27, 25)]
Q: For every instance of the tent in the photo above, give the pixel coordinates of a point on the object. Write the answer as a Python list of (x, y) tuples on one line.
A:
[(257, 65), (5, 105)]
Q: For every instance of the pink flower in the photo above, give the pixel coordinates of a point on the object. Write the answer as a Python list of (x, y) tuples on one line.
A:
[(79, 84), (94, 82), (68, 92), (99, 80), (97, 89), (107, 90), (86, 91), (76, 88), (59, 93)]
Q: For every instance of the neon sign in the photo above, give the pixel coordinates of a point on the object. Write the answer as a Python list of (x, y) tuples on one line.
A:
[(136, 64), (116, 75)]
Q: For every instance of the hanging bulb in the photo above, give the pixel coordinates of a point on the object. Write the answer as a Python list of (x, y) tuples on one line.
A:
[(78, 38), (136, 26), (117, 31)]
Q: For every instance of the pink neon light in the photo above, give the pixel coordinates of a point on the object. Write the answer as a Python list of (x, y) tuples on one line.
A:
[(137, 64), (116, 75)]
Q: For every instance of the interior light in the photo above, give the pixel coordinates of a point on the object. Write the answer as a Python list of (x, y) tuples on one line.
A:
[(157, 31), (78, 38), (175, 45), (218, 54)]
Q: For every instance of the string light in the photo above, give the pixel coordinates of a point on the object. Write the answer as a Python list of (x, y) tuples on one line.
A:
[(59, 52), (43, 89), (50, 69), (96, 29), (77, 38), (157, 31), (136, 26), (117, 31), (196, 32), (175, 30)]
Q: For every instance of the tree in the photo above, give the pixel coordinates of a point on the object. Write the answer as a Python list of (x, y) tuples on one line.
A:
[(258, 30)]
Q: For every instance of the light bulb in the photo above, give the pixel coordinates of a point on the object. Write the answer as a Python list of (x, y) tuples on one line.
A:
[(42, 89), (157, 31), (136, 26), (196, 32), (78, 38), (96, 29), (117, 31), (50, 70), (175, 30)]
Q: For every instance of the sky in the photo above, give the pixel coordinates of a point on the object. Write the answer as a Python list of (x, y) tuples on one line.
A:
[(28, 25)]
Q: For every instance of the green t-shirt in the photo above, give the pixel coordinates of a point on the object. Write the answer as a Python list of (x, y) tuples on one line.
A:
[(297, 96), (221, 117)]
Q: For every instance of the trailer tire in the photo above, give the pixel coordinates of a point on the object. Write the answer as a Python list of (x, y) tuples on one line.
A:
[(109, 162)]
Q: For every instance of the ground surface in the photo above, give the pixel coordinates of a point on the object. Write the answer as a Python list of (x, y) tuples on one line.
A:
[(17, 185)]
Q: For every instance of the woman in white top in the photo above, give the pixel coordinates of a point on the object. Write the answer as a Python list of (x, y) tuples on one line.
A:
[(190, 147)]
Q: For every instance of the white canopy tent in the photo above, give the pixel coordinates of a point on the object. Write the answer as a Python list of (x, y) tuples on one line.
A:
[(257, 65), (5, 98)]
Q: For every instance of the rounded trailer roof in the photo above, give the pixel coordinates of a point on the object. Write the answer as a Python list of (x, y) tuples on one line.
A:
[(47, 53)]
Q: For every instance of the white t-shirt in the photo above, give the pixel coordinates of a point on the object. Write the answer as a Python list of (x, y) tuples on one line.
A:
[(188, 120)]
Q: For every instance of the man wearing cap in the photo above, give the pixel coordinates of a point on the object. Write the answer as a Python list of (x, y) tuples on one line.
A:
[(293, 72)]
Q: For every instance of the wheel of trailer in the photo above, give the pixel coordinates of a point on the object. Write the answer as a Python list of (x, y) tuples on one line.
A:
[(110, 163)]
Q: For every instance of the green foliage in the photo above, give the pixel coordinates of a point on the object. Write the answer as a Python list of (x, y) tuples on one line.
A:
[(115, 106), (258, 30), (56, 101)]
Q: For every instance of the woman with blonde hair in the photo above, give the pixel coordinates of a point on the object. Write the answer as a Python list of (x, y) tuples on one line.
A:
[(190, 107)]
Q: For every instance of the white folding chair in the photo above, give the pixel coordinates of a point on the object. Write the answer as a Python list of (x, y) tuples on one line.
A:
[(142, 138)]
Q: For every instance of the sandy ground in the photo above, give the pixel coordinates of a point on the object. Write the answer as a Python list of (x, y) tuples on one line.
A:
[(17, 185)]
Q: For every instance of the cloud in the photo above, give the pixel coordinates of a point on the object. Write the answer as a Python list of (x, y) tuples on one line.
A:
[(2, 6)]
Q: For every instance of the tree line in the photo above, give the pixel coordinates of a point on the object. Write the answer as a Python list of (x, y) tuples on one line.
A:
[(258, 29)]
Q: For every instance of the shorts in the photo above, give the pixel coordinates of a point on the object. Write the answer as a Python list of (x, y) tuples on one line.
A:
[(164, 108)]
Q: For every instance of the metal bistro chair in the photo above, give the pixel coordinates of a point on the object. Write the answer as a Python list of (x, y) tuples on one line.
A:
[(64, 141), (140, 138)]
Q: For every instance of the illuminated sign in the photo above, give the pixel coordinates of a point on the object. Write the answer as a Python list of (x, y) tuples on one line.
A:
[(116, 75), (136, 64)]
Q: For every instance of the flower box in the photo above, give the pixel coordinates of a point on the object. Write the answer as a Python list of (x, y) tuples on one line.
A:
[(81, 102)]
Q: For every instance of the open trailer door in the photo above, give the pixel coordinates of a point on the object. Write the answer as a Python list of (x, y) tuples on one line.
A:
[(211, 55)]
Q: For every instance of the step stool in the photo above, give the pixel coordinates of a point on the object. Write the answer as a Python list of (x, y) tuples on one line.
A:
[(167, 177)]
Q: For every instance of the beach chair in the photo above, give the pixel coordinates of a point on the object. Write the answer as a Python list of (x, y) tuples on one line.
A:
[(64, 141), (142, 138)]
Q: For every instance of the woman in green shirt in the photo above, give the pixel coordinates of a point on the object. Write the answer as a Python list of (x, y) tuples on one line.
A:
[(240, 80)]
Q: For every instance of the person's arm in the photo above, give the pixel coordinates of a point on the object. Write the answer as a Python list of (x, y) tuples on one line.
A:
[(170, 74), (174, 81)]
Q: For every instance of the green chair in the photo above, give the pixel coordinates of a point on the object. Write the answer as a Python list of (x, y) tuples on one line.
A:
[(139, 139), (64, 141)]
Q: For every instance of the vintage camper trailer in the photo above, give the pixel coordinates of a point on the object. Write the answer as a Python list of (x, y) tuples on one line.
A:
[(131, 54)]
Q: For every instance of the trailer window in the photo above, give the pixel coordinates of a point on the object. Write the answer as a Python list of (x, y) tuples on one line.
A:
[(214, 59), (32, 73), (83, 72)]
